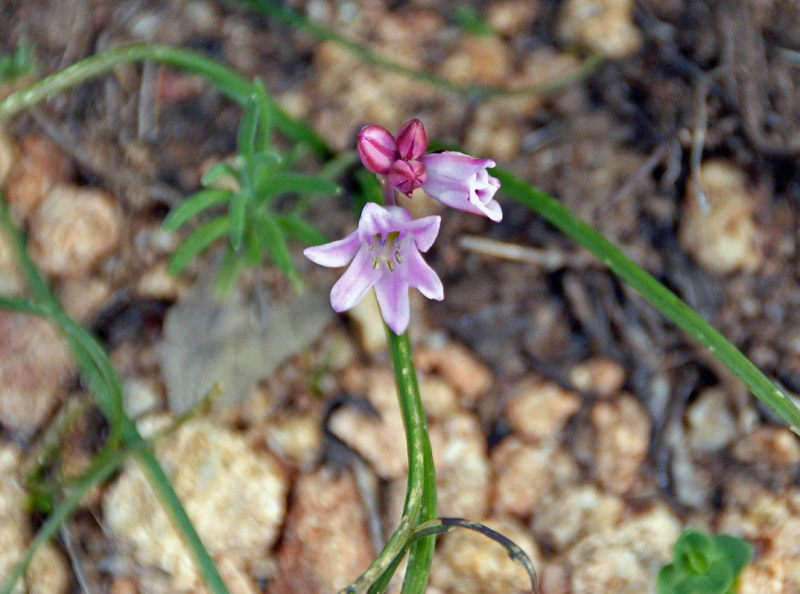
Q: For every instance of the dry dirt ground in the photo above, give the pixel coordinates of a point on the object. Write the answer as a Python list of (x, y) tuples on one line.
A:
[(564, 410)]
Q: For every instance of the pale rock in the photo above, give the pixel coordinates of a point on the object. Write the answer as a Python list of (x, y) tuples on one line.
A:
[(478, 59), (459, 366), (73, 229), (47, 573), (140, 396), (525, 474), (470, 562), (776, 569), (622, 439), (462, 466), (564, 517), (39, 166), (34, 364), (773, 446), (8, 155), (600, 375), (511, 16), (625, 558), (438, 397), (710, 424), (325, 544), (296, 439), (725, 238), (538, 410), (11, 282), (234, 495), (757, 514), (82, 298), (379, 439), (157, 283), (367, 316), (604, 26)]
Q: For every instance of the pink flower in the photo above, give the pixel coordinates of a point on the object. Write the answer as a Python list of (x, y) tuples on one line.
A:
[(460, 181), (454, 179), (383, 252)]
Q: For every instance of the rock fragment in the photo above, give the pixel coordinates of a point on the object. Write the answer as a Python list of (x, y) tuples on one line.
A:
[(73, 229), (34, 363), (538, 410), (604, 26)]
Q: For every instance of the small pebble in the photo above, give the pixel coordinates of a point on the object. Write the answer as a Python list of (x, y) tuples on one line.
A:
[(604, 26), (710, 424), (538, 410)]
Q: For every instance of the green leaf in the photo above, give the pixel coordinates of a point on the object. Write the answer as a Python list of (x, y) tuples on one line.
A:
[(246, 135), (228, 271), (196, 242), (735, 551), (271, 237), (217, 171), (694, 551), (301, 230), (252, 247), (202, 200), (301, 184), (471, 21), (262, 139), (237, 214)]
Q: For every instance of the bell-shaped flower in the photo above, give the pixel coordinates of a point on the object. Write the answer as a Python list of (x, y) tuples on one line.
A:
[(460, 181), (383, 252)]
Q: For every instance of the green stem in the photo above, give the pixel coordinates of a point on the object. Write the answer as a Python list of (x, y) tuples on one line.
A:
[(657, 294), (420, 503), (226, 80), (295, 19)]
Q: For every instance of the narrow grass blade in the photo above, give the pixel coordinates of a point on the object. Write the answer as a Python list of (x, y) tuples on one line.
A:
[(196, 242), (301, 230), (193, 205)]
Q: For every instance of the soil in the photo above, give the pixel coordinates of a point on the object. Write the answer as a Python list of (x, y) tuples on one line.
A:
[(696, 101)]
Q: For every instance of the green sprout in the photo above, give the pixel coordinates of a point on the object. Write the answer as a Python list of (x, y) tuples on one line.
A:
[(704, 564), (18, 63), (471, 21), (257, 175)]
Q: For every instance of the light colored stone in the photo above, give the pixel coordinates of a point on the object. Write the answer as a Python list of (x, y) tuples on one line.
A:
[(367, 317), (478, 59), (774, 446), (297, 439), (622, 440), (325, 544), (73, 229), (539, 409), (459, 366), (34, 363), (234, 495), (11, 283), (39, 166), (470, 562), (82, 298), (380, 438), (438, 397), (511, 16), (725, 238), (566, 516), (8, 154), (47, 573), (524, 474), (140, 396), (157, 283), (626, 558), (599, 375), (604, 26), (462, 466), (710, 424)]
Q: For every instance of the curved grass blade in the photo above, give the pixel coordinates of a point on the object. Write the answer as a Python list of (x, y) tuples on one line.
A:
[(272, 239), (237, 214), (196, 242), (515, 553), (301, 230), (653, 291), (228, 271), (297, 183), (194, 204), (262, 138), (217, 171)]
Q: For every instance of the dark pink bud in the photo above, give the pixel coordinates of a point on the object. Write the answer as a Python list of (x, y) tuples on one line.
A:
[(412, 140), (407, 176), (376, 149)]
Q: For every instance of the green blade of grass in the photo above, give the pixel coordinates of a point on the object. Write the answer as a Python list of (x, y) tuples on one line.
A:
[(653, 291), (301, 230), (194, 204), (196, 242)]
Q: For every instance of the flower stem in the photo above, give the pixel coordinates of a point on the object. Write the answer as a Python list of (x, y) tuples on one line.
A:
[(657, 294)]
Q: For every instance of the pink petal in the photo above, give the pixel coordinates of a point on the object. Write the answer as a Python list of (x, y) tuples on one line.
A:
[(334, 254), (392, 292), (412, 140), (421, 276), (355, 282), (407, 176), (376, 149), (380, 220), (424, 231)]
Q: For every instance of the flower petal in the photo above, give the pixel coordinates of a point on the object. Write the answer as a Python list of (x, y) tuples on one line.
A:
[(334, 254), (412, 140), (355, 281), (418, 274), (376, 148), (392, 293), (380, 220), (424, 231), (460, 181)]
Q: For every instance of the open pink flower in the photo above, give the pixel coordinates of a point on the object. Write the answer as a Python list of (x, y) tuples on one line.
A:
[(383, 252), (454, 179)]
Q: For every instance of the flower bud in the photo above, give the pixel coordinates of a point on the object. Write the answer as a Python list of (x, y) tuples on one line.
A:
[(376, 149), (412, 140), (407, 176)]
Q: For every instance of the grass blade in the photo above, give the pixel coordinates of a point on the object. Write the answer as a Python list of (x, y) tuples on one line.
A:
[(194, 204), (196, 242)]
